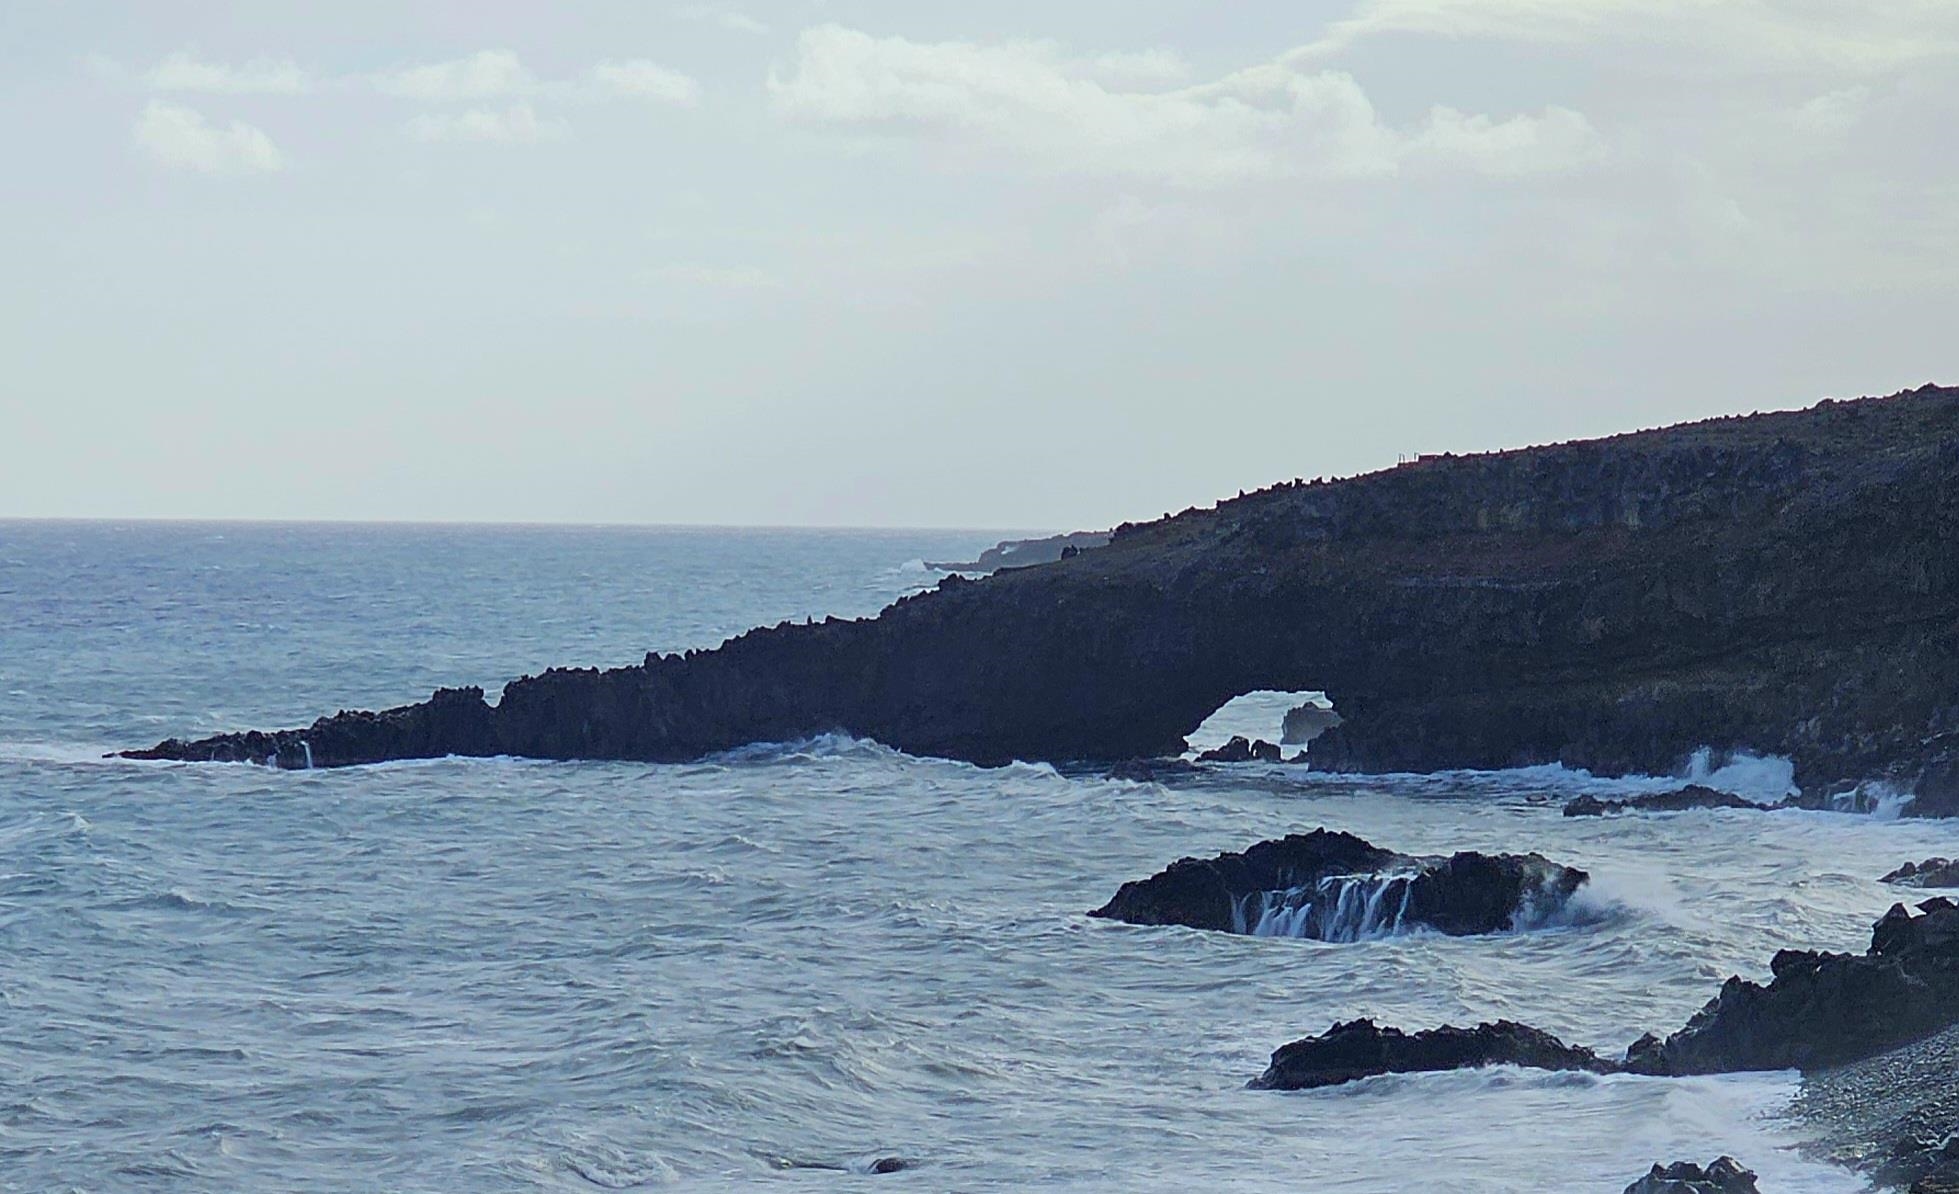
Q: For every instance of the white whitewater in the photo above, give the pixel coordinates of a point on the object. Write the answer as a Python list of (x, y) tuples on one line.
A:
[(1337, 908)]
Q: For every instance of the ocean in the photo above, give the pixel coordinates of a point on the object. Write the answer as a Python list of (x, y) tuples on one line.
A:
[(772, 968)]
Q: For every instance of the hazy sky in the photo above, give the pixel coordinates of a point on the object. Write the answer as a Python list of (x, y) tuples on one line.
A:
[(911, 263)]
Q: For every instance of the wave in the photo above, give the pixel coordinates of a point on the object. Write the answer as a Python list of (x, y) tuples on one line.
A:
[(1764, 778), (65, 753), (836, 744), (1877, 798)]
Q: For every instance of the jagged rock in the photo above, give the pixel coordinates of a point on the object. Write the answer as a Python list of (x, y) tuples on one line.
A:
[(1360, 1049), (1933, 872), (1303, 723), (1784, 583), (1724, 1175), (1824, 1009), (1689, 797), (1242, 750), (1338, 887)]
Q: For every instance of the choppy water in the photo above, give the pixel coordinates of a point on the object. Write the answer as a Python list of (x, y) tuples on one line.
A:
[(499, 975)]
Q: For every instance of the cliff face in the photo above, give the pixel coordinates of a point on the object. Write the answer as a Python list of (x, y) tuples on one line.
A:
[(1785, 583)]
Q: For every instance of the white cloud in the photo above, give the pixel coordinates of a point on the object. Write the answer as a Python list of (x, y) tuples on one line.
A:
[(275, 76), (641, 79), (180, 137), (1555, 141), (1779, 34), (485, 74), (517, 124), (1834, 113), (1028, 102), (724, 18), (1125, 69)]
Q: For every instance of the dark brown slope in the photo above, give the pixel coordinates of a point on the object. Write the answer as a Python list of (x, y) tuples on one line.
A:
[(1784, 582)]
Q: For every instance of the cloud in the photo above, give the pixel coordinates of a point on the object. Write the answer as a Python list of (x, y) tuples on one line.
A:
[(1028, 102), (1557, 140), (517, 124), (176, 136), (1834, 113), (1137, 69), (273, 76), (641, 79), (1776, 34), (485, 74), (724, 18)]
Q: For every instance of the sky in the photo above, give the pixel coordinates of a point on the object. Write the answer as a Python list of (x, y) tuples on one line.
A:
[(908, 263)]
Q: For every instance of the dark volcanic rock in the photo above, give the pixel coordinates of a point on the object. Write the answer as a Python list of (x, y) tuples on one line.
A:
[(1024, 553), (1691, 796), (1146, 771), (1933, 872), (1359, 1049), (1724, 1175), (1786, 583), (1241, 750), (1824, 1009), (1337, 887), (453, 721)]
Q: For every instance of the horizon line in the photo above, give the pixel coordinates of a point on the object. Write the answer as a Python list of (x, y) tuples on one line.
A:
[(509, 524)]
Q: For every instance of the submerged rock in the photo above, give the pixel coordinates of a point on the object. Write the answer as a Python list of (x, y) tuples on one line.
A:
[(1332, 886), (1361, 1049), (1723, 1175), (1147, 771), (1824, 1009), (1242, 750), (1933, 872), (1690, 797)]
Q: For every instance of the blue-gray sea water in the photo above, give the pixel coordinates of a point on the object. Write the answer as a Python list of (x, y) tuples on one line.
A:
[(763, 970)]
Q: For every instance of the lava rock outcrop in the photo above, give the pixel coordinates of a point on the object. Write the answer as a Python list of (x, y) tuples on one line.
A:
[(1242, 750), (1360, 1049), (1690, 797), (1332, 886), (1933, 872), (1784, 583), (1723, 1175), (1823, 1009)]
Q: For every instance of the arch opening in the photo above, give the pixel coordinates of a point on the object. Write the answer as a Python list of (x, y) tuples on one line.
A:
[(1290, 719)]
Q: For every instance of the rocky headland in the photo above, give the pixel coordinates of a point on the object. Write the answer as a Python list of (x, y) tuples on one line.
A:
[(1781, 583), (1328, 886)]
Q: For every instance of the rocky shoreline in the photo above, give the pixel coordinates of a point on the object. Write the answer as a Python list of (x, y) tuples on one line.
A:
[(1783, 583), (1876, 1036)]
